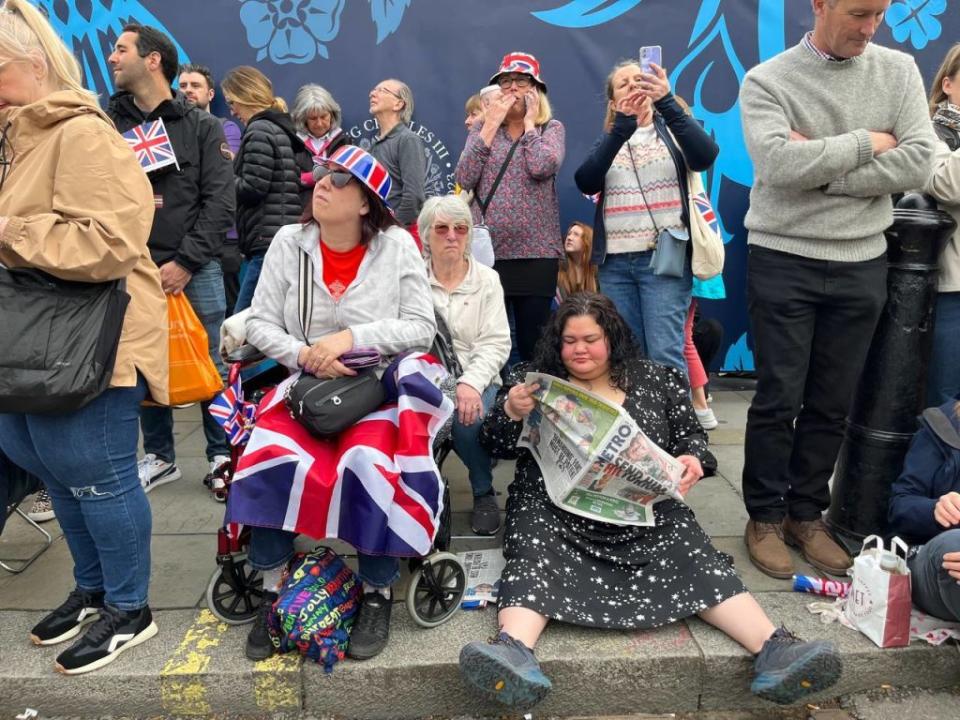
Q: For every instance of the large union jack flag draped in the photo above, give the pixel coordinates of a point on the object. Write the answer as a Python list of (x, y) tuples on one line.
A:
[(151, 144), (375, 486)]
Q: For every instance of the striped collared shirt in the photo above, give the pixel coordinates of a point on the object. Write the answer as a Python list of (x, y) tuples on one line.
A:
[(808, 44)]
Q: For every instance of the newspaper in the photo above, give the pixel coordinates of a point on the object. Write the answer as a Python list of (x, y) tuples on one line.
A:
[(483, 569), (596, 462)]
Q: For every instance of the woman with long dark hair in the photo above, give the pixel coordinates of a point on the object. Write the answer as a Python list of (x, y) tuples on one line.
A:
[(562, 566)]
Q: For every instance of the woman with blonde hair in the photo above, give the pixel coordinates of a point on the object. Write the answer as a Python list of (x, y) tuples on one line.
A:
[(75, 205), (577, 272), (639, 166), (943, 378), (510, 162), (268, 166)]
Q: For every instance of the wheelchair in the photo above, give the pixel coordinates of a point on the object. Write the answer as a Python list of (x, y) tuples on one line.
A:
[(235, 590)]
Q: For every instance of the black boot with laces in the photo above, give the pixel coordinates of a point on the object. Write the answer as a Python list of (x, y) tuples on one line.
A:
[(371, 629), (787, 668), (113, 632), (259, 643)]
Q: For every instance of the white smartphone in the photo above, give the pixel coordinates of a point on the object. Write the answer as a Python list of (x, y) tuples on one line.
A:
[(650, 54)]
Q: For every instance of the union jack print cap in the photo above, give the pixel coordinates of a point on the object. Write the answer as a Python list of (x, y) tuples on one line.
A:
[(365, 168), (520, 62)]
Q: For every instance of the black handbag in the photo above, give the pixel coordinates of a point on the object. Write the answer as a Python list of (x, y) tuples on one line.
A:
[(328, 406), (58, 340)]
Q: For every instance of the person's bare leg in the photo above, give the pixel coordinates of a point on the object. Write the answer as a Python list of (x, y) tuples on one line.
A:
[(523, 624), (742, 618), (699, 398)]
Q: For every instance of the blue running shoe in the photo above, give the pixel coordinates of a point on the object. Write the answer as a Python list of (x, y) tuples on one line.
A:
[(505, 670), (787, 668)]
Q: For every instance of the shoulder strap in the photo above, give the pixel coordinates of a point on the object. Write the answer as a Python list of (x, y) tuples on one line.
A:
[(496, 183), (305, 293)]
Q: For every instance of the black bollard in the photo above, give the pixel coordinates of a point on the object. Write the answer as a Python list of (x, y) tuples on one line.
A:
[(890, 394)]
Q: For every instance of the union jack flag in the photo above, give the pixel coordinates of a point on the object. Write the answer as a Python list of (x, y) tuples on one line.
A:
[(706, 211), (376, 485), (151, 144), (234, 415)]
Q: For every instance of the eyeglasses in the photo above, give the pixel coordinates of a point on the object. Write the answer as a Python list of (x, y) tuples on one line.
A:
[(460, 229), (380, 89), (338, 178), (522, 81)]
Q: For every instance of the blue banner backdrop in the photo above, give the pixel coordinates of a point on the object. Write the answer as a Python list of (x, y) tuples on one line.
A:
[(447, 50)]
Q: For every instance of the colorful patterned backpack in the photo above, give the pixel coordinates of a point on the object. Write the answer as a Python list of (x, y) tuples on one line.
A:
[(318, 600)]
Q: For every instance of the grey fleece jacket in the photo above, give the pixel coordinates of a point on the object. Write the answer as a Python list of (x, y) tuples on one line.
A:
[(828, 197), (403, 154), (388, 306)]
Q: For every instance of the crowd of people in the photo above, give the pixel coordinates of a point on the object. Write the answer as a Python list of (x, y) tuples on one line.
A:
[(253, 210)]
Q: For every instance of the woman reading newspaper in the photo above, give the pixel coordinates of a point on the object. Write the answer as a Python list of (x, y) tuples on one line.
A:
[(562, 566)]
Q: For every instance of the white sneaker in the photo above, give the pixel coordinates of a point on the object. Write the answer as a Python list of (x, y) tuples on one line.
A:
[(214, 479), (155, 472), (708, 420)]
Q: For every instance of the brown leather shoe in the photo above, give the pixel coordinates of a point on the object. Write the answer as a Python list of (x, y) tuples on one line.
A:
[(816, 545), (767, 550)]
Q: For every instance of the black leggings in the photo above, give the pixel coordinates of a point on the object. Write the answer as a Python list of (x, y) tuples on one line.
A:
[(530, 314)]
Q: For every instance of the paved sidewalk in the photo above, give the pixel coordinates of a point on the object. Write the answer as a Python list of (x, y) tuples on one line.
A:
[(195, 666)]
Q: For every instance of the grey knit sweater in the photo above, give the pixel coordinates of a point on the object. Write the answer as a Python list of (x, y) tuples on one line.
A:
[(828, 197)]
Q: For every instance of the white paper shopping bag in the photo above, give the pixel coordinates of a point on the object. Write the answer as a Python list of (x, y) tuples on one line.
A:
[(879, 604)]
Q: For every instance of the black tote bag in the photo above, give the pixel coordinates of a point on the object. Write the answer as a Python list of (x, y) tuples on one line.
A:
[(58, 340)]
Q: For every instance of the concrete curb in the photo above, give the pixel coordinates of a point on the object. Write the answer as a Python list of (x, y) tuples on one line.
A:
[(195, 668)]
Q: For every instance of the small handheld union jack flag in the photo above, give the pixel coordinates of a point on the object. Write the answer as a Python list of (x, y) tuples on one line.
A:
[(233, 414), (151, 144)]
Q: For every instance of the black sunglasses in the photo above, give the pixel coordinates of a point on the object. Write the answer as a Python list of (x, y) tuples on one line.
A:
[(339, 178), (6, 155)]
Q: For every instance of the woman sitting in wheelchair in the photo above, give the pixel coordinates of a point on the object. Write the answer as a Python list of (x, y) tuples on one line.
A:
[(469, 298), (347, 278)]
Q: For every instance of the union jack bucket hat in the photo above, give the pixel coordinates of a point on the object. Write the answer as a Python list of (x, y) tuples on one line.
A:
[(365, 168), (520, 62)]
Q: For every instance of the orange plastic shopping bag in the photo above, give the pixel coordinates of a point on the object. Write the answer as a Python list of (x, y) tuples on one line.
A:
[(193, 376)]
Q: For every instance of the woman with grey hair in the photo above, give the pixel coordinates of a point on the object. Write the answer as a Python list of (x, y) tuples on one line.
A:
[(468, 296), (316, 116)]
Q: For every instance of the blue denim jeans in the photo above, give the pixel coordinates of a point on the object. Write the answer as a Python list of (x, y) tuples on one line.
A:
[(248, 283), (943, 375), (934, 591), (205, 293), (466, 443), (87, 459), (653, 306), (270, 548)]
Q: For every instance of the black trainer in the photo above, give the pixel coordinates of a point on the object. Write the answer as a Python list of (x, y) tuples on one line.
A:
[(259, 642), (485, 518), (81, 607), (112, 633), (371, 629), (787, 668)]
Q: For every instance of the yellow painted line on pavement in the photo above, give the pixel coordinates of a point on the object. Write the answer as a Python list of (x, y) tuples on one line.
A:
[(276, 683), (182, 691)]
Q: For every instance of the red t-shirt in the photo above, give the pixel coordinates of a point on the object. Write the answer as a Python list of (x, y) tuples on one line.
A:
[(340, 268)]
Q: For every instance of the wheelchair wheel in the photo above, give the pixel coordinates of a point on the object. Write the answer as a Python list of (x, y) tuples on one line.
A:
[(235, 591), (436, 589)]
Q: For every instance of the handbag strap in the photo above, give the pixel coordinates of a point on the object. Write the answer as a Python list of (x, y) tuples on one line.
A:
[(496, 183), (305, 293), (642, 194)]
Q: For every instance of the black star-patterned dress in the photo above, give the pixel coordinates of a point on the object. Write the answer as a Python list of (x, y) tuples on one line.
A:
[(584, 572)]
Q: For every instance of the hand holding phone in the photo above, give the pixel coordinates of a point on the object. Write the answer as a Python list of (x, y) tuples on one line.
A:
[(650, 55)]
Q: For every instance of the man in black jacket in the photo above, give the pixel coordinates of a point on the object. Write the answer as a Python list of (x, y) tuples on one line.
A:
[(194, 210)]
